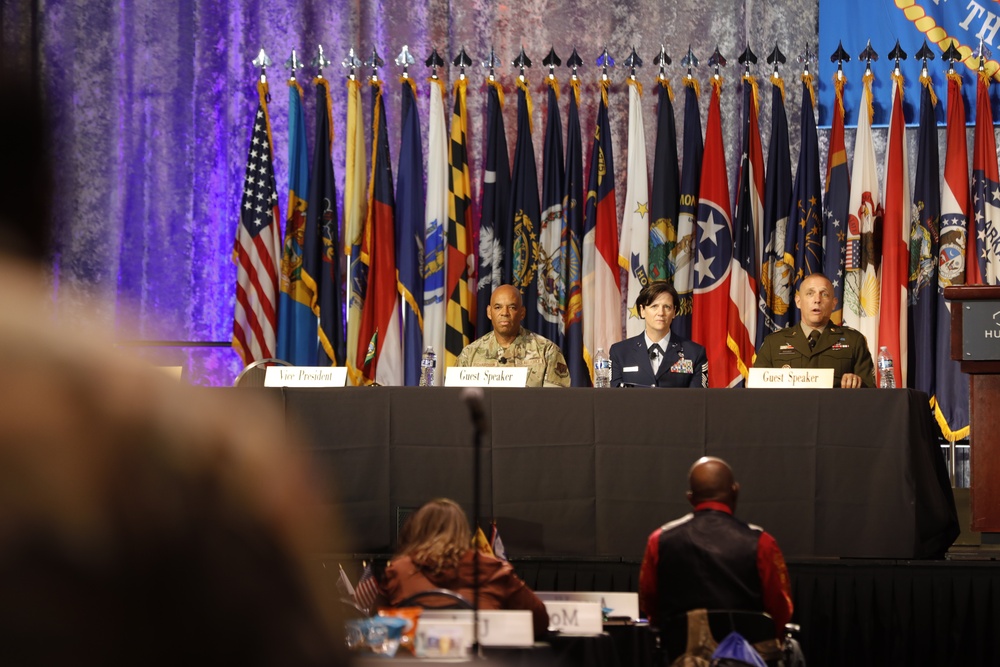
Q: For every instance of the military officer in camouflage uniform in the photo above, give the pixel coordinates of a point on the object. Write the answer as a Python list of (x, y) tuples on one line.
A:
[(511, 345), (816, 342)]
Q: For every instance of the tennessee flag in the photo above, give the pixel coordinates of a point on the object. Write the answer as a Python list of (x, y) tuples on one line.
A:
[(714, 252), (633, 248), (861, 289), (742, 318), (436, 226), (458, 326), (602, 294), (984, 260), (379, 343), (892, 330), (354, 221)]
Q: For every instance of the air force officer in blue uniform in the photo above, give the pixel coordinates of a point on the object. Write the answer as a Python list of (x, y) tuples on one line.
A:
[(657, 357)]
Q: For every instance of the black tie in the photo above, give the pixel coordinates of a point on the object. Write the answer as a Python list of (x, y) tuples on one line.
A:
[(813, 337)]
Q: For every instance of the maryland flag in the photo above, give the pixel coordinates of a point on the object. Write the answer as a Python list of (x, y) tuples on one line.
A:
[(322, 257), (496, 204), (379, 342), (665, 194), (297, 326), (354, 219), (520, 243), (633, 247), (459, 328), (549, 275), (257, 246), (714, 252), (895, 266), (683, 257), (573, 204), (836, 203), (436, 226)]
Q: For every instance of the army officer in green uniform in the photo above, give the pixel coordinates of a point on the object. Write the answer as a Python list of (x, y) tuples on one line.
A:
[(816, 342), (509, 344)]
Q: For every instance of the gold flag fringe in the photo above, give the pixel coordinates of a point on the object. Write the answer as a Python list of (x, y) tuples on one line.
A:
[(635, 82), (262, 93), (838, 86), (409, 80), (956, 77), (717, 82), (665, 82), (867, 82), (925, 79), (692, 82), (809, 80), (320, 81), (605, 85), (499, 89), (439, 82), (898, 78), (553, 83), (574, 84), (523, 85), (752, 80), (985, 78), (780, 83)]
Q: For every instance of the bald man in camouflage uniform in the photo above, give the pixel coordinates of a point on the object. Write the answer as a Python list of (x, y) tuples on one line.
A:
[(509, 344)]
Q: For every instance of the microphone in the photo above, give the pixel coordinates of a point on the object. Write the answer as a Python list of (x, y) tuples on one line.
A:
[(500, 358), (473, 398)]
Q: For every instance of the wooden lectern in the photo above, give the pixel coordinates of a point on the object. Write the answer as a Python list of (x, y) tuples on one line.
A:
[(975, 342)]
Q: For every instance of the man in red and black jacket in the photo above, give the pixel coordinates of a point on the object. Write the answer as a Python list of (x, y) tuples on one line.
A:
[(709, 559)]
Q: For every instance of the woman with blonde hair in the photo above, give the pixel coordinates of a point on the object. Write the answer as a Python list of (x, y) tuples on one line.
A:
[(436, 551)]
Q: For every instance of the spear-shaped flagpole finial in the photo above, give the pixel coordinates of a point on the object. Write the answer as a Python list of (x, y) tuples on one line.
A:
[(662, 60), (747, 58), (840, 56), (574, 62), (262, 62), (374, 62), (923, 55), (605, 61), (868, 55), (806, 57), (896, 55), (351, 64), (775, 58), (491, 63), (952, 55), (521, 61), (293, 63), (717, 60), (461, 61), (632, 62), (982, 53), (404, 60), (434, 61), (553, 61), (689, 61), (320, 61)]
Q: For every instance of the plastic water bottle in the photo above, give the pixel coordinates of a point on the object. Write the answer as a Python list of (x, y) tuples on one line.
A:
[(886, 376), (602, 369), (428, 362)]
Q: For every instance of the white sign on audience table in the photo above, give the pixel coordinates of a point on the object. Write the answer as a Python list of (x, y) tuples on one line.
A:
[(497, 627), (790, 378), (305, 376), (485, 376), (575, 618), (620, 605)]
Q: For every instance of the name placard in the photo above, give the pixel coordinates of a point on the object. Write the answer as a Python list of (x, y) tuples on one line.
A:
[(622, 605), (497, 627), (305, 376), (485, 376), (575, 618), (790, 378)]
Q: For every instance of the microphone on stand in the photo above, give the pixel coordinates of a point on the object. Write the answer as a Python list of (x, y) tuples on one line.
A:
[(473, 399), (500, 358)]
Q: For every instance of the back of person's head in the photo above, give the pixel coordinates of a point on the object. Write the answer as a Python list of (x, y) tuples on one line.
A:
[(711, 479), (436, 536), (25, 178)]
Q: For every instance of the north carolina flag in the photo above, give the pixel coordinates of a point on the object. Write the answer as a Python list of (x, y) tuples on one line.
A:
[(436, 227), (892, 332), (355, 201), (633, 246), (410, 232), (520, 243), (573, 205), (297, 325), (322, 255), (984, 245), (379, 343), (923, 257), (741, 323), (549, 275), (775, 291), (257, 246), (836, 202), (861, 290), (682, 258), (496, 205), (951, 399), (664, 196), (601, 289), (459, 329), (714, 251)]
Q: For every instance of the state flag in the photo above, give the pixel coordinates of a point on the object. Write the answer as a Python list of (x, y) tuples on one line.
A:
[(410, 232), (550, 261), (682, 258), (436, 227), (633, 246), (573, 208), (664, 196), (836, 202), (496, 205)]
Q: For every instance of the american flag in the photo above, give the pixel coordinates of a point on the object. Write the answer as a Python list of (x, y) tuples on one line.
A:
[(366, 592), (257, 247)]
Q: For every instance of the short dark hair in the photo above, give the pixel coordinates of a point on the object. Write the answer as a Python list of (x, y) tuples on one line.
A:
[(650, 292)]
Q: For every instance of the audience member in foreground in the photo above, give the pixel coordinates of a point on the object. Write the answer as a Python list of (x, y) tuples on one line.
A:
[(435, 551)]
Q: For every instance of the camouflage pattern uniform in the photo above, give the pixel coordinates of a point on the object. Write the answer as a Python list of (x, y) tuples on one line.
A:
[(547, 367)]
